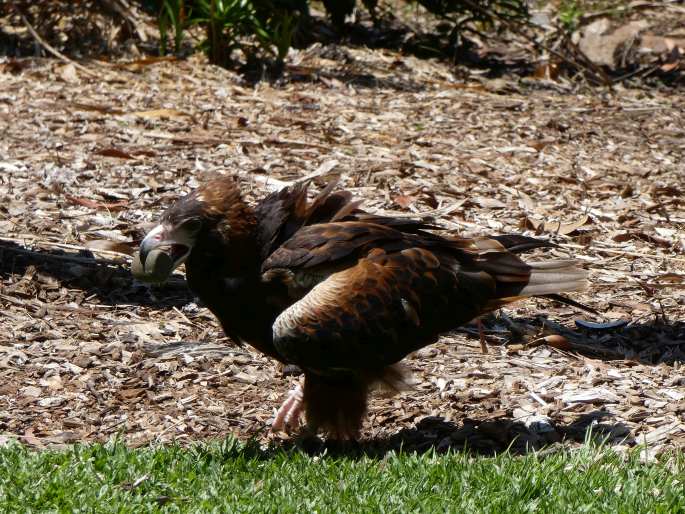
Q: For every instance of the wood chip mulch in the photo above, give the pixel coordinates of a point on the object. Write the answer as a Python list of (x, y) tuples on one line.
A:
[(87, 353)]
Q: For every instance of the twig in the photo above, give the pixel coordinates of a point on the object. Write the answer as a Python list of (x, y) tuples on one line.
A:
[(54, 51), (435, 213), (642, 71), (620, 252), (124, 10), (21, 248)]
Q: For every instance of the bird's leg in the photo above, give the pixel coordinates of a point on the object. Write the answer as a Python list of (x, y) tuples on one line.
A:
[(288, 415), (483, 346)]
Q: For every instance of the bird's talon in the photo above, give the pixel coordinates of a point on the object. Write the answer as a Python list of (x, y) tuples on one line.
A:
[(287, 417)]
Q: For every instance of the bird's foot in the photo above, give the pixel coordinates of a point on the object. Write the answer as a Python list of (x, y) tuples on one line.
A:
[(288, 415)]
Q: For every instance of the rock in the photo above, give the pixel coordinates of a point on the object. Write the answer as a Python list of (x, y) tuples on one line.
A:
[(600, 44)]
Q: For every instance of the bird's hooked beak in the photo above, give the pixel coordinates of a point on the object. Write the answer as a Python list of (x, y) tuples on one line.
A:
[(163, 250)]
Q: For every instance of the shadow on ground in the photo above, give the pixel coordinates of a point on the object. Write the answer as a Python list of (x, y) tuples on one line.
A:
[(486, 438), (652, 342), (107, 280), (319, 38), (648, 341)]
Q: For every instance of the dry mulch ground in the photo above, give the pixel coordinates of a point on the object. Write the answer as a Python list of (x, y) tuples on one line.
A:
[(88, 160)]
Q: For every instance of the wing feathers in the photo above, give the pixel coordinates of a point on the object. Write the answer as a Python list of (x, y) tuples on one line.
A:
[(371, 314), (369, 289)]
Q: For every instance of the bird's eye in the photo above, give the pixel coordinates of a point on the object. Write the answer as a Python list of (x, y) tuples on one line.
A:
[(191, 225)]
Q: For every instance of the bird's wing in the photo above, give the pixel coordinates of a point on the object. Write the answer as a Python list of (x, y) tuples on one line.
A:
[(317, 251), (377, 311), (279, 215), (284, 213), (326, 243), (394, 297)]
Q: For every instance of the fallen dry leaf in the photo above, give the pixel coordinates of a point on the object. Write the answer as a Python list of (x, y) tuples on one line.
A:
[(556, 341), (489, 203), (139, 64), (404, 201), (114, 152), (94, 204), (556, 227), (112, 246), (160, 113)]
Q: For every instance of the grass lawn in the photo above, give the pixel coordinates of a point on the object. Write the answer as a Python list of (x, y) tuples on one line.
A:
[(232, 477)]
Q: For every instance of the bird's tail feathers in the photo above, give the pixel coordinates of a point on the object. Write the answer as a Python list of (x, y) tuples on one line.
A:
[(550, 277), (546, 278)]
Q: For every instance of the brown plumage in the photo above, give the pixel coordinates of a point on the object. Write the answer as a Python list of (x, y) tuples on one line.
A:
[(340, 292)]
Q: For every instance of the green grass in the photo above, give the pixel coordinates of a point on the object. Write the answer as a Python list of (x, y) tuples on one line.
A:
[(231, 477), (571, 11)]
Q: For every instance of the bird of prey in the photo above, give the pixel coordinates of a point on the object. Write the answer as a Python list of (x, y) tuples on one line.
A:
[(342, 293)]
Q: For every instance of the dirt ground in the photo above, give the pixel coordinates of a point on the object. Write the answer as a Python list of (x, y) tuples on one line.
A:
[(88, 158)]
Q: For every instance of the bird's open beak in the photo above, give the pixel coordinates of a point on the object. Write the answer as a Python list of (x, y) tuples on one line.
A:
[(161, 252)]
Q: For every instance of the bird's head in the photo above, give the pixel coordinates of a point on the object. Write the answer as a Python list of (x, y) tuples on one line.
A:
[(208, 217)]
